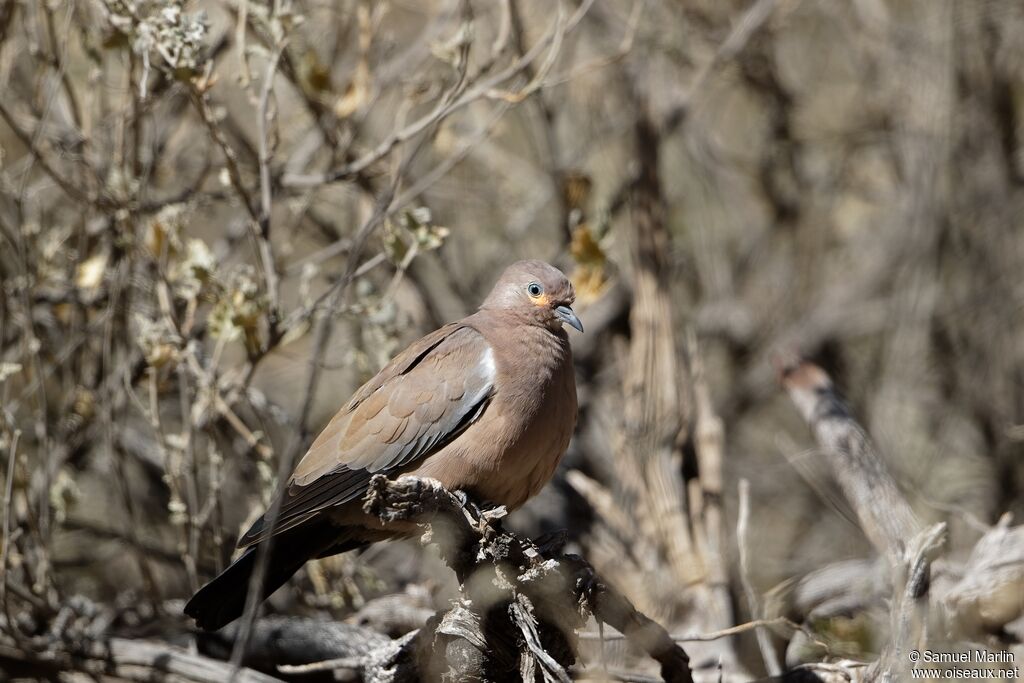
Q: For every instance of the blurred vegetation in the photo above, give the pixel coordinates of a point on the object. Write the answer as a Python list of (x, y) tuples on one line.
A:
[(217, 218)]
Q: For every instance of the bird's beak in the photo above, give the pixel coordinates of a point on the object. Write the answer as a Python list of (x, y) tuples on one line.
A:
[(566, 315)]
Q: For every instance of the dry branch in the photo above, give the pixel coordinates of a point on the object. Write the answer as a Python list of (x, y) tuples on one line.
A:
[(764, 210), (884, 513), (130, 660), (990, 592), (522, 601), (282, 641), (771, 659)]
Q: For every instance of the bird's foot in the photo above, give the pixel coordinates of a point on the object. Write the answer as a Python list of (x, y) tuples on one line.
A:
[(552, 542), (488, 512)]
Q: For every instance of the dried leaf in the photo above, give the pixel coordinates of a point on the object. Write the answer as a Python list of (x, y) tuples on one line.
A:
[(315, 75), (163, 234), (576, 189), (8, 370), (89, 274), (195, 272), (239, 310), (356, 95), (159, 344), (590, 277)]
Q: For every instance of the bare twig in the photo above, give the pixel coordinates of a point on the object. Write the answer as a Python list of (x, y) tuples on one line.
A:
[(884, 513), (266, 205), (746, 627), (768, 654), (133, 660), (70, 188), (756, 15), (7, 541), (447, 105)]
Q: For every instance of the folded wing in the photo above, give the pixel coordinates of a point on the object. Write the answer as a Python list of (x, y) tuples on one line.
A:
[(415, 406)]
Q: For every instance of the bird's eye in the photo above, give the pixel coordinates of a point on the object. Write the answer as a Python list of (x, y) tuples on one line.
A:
[(534, 289)]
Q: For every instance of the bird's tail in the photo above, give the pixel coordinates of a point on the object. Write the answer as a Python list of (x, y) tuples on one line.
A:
[(222, 600)]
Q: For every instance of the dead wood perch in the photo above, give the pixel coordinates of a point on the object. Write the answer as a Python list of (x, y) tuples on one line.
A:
[(522, 605), (990, 592), (124, 659), (523, 601), (277, 641), (884, 514)]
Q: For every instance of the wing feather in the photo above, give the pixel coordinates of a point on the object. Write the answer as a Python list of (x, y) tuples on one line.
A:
[(417, 404)]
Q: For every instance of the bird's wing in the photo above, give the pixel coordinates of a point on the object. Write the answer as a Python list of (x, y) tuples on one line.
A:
[(413, 407)]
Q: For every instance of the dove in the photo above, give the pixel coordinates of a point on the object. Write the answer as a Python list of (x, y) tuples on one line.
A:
[(485, 405)]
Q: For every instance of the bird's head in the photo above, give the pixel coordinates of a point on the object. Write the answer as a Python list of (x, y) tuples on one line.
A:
[(538, 291)]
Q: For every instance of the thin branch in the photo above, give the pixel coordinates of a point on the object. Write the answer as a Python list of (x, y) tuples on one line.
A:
[(133, 660), (69, 188), (768, 654), (884, 513), (445, 107), (263, 236)]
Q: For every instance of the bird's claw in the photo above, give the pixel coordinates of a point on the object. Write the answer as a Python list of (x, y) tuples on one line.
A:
[(489, 512), (462, 498), (552, 542)]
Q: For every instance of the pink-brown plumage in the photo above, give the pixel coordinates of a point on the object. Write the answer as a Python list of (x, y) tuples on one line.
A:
[(486, 405), (513, 449)]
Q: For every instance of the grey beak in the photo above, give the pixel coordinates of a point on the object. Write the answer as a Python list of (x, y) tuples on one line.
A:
[(566, 315)]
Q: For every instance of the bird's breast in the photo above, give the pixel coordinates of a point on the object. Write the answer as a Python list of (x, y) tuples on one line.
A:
[(534, 416), (513, 450)]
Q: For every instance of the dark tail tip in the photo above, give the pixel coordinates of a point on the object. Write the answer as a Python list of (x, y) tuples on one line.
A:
[(221, 601)]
